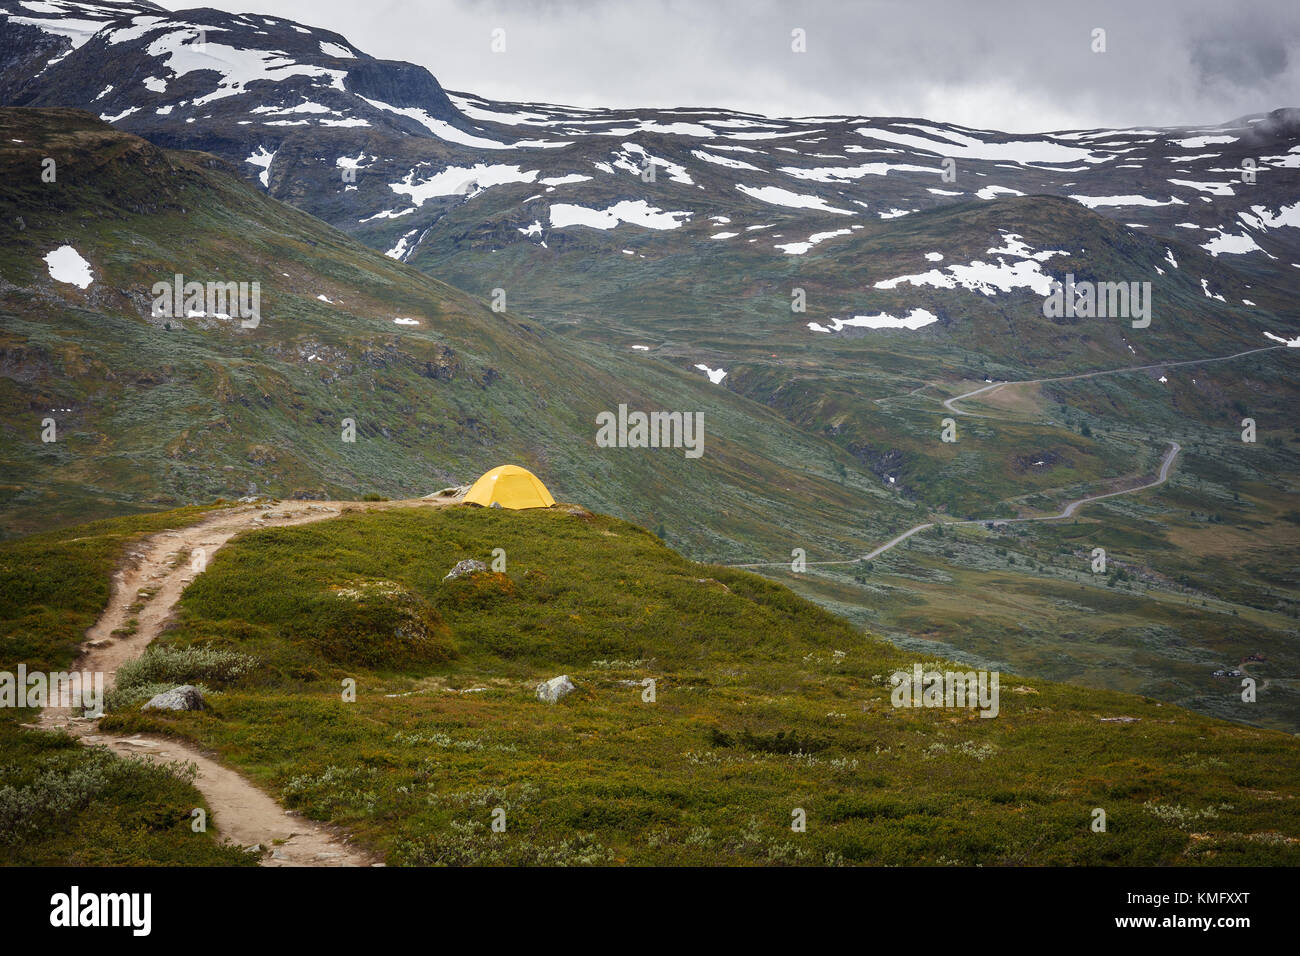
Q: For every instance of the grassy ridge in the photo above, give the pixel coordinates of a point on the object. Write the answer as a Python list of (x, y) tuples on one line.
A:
[(764, 703)]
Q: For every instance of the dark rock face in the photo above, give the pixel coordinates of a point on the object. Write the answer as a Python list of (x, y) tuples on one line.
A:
[(400, 84), (235, 85), (24, 51)]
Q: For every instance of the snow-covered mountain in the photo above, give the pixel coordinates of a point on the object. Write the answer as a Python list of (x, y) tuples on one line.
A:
[(379, 149)]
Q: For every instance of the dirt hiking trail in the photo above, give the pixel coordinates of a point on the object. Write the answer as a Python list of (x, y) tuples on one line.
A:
[(162, 566)]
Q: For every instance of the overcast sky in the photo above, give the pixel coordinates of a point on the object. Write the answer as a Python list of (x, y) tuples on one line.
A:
[(1016, 65)]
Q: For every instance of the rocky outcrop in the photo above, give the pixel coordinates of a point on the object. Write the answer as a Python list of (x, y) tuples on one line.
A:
[(464, 569)]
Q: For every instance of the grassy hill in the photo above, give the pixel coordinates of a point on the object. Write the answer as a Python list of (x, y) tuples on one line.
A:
[(763, 703)]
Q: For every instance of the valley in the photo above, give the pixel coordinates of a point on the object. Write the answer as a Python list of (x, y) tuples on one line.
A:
[(798, 386)]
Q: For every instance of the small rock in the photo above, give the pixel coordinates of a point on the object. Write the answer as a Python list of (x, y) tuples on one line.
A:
[(552, 690), (455, 491), (465, 569), (185, 697)]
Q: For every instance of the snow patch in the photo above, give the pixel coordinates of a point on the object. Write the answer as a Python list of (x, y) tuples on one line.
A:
[(333, 49), (1289, 343), (1092, 202), (989, 278), (263, 158), (916, 319), (799, 248), (992, 192), (784, 197), (633, 212), (1228, 244), (66, 265), (460, 180)]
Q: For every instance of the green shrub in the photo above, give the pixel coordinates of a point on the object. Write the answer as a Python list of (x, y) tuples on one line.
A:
[(170, 666), (776, 743), (370, 626), (69, 782)]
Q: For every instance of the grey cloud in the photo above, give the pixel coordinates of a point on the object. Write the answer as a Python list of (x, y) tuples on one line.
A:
[(1008, 64)]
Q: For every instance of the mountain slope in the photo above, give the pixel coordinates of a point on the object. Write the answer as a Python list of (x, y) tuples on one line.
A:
[(149, 408), (298, 107), (689, 231), (824, 425)]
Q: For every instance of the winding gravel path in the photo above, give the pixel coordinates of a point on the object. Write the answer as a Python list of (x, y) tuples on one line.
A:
[(241, 813), (1066, 512)]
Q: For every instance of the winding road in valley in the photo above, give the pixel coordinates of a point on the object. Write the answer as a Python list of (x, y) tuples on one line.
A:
[(949, 403), (1066, 512), (1071, 507), (161, 567)]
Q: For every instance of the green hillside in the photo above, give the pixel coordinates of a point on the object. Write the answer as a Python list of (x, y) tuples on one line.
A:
[(153, 412), (830, 444), (763, 703)]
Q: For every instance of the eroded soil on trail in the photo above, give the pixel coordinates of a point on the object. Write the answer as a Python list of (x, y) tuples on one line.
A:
[(154, 573)]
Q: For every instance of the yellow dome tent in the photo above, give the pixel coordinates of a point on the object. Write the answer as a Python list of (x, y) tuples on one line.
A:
[(510, 486)]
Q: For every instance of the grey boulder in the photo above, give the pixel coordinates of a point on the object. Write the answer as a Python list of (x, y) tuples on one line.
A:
[(552, 690), (185, 697)]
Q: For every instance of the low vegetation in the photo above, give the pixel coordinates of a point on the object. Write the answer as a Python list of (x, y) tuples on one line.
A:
[(712, 708)]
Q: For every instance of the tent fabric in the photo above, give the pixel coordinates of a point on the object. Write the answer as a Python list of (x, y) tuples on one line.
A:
[(509, 486)]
